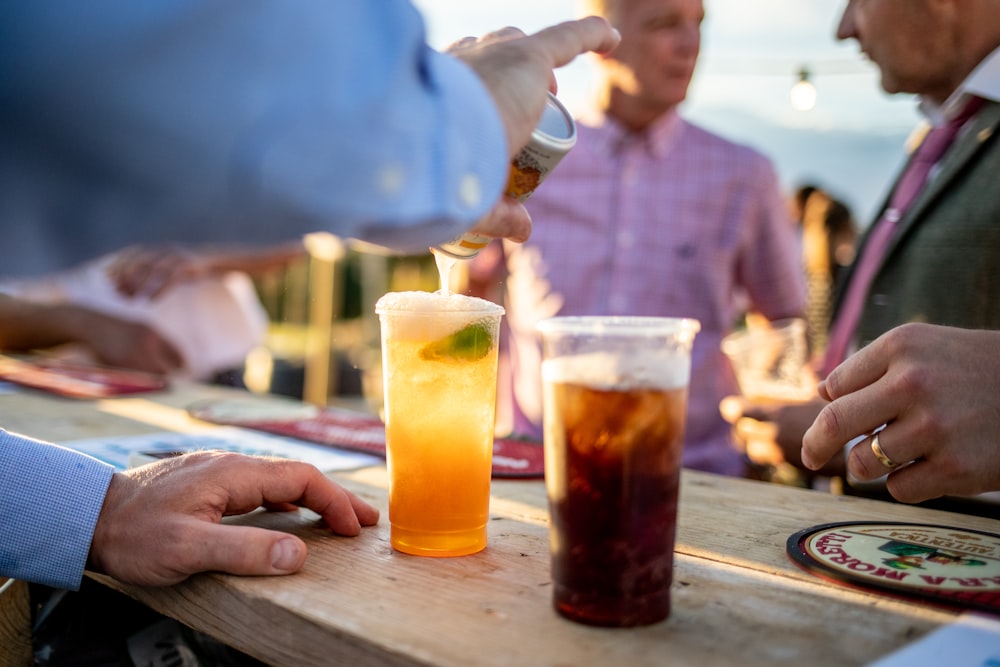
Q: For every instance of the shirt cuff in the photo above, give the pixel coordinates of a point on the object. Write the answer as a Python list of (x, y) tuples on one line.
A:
[(50, 499)]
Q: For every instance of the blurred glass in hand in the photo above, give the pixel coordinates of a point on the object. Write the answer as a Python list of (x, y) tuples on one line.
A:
[(771, 360), (771, 364)]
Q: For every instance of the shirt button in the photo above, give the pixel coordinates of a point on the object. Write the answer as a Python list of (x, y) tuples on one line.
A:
[(470, 192), (880, 300), (626, 240)]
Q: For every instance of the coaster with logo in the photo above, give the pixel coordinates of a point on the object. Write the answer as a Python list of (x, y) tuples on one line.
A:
[(946, 565)]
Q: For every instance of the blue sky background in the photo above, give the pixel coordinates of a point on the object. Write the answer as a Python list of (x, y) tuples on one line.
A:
[(851, 142)]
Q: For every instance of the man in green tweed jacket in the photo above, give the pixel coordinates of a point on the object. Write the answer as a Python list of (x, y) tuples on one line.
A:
[(935, 389)]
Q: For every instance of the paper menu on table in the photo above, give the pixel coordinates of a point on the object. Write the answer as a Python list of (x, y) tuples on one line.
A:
[(120, 451), (971, 641)]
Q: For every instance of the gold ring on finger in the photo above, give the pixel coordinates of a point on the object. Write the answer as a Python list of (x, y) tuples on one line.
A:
[(882, 457)]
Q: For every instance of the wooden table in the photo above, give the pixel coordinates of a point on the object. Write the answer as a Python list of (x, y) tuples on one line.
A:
[(737, 599)]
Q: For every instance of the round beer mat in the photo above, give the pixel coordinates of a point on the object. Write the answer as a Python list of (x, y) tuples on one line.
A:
[(951, 566)]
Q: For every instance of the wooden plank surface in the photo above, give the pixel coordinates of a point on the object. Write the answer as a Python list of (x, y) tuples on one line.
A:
[(15, 624), (732, 605), (737, 599)]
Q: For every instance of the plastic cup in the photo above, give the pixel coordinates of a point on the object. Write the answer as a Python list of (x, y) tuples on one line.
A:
[(772, 362), (439, 366), (615, 401)]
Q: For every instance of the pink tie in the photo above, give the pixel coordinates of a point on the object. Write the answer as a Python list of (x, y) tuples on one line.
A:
[(931, 149)]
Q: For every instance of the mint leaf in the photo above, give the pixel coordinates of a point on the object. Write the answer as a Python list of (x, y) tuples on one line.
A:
[(467, 344)]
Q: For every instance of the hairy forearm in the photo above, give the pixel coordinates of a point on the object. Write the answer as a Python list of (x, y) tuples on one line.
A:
[(26, 325), (254, 261)]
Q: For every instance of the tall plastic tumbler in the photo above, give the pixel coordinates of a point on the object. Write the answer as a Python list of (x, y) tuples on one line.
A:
[(615, 400), (439, 365)]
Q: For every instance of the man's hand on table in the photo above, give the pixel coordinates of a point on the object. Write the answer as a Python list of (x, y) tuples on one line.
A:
[(161, 522)]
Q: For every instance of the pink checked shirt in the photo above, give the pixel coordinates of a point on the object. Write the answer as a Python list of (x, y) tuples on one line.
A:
[(672, 222)]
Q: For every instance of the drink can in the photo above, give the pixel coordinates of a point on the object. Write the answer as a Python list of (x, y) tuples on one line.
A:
[(550, 141)]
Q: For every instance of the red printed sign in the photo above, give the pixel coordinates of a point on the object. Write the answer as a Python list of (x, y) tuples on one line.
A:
[(347, 429), (77, 380)]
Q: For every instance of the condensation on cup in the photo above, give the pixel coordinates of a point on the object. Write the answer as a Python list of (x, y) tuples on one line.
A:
[(550, 141)]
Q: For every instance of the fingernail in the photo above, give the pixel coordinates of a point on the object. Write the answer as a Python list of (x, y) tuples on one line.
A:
[(285, 555)]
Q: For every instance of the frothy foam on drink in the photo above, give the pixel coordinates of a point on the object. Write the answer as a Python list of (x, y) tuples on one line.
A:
[(663, 369), (433, 302), (431, 315)]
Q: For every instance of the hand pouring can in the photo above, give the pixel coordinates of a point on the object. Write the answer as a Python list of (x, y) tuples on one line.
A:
[(550, 141)]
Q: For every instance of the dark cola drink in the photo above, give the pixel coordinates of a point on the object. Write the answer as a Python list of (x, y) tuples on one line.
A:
[(613, 459), (614, 406)]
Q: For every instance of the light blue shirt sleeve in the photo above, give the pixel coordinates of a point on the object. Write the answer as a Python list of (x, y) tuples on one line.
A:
[(50, 498), (227, 120)]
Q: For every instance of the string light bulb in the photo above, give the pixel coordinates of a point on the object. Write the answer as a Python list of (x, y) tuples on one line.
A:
[(803, 93)]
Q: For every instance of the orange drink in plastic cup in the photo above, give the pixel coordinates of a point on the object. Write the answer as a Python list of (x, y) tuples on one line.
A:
[(439, 365)]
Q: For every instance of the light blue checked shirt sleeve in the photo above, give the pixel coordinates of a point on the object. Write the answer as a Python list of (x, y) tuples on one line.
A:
[(204, 121), (50, 498)]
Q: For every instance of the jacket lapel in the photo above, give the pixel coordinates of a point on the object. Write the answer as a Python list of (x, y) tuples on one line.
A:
[(984, 125), (968, 144)]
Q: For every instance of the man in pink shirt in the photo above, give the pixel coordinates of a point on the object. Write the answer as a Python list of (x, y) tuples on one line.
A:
[(652, 215)]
